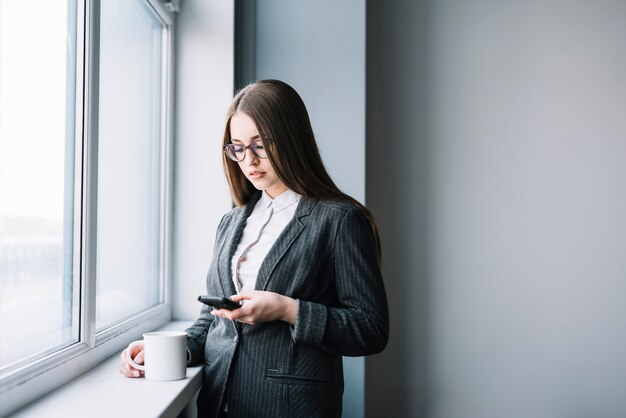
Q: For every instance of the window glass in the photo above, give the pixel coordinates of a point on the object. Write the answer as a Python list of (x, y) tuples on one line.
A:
[(129, 155), (36, 179)]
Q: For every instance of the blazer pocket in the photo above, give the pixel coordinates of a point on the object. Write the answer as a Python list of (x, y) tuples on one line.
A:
[(290, 379), (307, 397)]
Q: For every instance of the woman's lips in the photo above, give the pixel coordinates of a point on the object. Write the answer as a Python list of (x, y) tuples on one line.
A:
[(256, 174)]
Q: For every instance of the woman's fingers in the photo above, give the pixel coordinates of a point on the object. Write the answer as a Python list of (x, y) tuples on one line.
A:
[(139, 358), (138, 349), (225, 313), (126, 369), (242, 296), (261, 306)]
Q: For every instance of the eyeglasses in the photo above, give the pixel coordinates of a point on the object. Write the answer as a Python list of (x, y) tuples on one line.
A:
[(237, 152)]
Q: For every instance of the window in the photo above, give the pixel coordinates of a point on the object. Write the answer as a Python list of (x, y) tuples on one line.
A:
[(128, 161), (36, 181), (85, 151)]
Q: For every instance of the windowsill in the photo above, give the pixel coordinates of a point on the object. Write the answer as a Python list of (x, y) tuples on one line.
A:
[(104, 392)]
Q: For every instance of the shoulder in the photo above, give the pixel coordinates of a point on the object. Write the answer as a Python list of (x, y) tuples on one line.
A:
[(234, 212), (229, 217), (341, 223), (238, 211), (336, 210), (339, 206)]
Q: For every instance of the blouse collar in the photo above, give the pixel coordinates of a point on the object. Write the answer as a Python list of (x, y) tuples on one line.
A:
[(282, 201)]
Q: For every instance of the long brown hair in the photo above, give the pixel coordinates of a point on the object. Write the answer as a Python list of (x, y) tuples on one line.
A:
[(283, 123)]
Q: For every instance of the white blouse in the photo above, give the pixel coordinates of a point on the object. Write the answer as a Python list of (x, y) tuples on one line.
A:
[(267, 220)]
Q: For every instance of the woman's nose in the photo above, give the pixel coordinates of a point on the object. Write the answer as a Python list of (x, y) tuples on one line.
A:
[(250, 158)]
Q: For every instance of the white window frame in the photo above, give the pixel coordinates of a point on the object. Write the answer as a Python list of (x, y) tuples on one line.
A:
[(27, 382)]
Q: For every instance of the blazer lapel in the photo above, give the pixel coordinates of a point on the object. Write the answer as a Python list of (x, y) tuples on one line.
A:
[(230, 245), (284, 241)]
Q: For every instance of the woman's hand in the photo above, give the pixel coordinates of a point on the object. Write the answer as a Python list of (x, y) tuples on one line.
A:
[(261, 306), (137, 356)]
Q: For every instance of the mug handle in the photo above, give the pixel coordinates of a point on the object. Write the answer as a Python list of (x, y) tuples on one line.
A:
[(130, 360)]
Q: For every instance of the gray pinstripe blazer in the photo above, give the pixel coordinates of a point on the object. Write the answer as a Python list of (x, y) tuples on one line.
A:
[(326, 259)]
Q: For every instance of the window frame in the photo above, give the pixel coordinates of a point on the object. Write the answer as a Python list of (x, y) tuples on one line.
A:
[(45, 373)]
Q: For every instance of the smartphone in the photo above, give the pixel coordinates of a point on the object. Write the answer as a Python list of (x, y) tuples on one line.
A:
[(219, 302)]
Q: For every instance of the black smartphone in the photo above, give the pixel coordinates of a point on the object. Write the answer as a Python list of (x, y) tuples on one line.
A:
[(219, 302)]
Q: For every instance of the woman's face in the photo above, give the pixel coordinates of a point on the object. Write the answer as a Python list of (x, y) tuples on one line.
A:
[(259, 171)]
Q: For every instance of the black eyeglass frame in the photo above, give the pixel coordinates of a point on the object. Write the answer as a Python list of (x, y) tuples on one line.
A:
[(232, 154)]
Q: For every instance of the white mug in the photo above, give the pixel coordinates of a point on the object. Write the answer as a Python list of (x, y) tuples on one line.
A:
[(165, 355)]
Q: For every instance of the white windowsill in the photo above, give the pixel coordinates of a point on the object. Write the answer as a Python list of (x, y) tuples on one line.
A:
[(104, 392)]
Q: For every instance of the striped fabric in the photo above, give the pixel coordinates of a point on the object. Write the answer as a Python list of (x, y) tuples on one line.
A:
[(326, 259)]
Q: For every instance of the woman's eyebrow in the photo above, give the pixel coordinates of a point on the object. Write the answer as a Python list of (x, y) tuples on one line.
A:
[(252, 139)]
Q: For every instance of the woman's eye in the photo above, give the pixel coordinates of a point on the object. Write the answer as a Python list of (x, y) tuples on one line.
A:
[(237, 148)]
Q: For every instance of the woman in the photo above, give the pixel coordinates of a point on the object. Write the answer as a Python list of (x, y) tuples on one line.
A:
[(302, 258)]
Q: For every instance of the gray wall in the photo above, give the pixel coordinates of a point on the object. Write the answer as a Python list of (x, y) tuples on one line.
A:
[(318, 47), (496, 160), (397, 190), (204, 90)]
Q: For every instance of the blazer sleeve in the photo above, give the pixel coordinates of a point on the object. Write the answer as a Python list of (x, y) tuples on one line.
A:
[(359, 325), (196, 333), (196, 337)]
